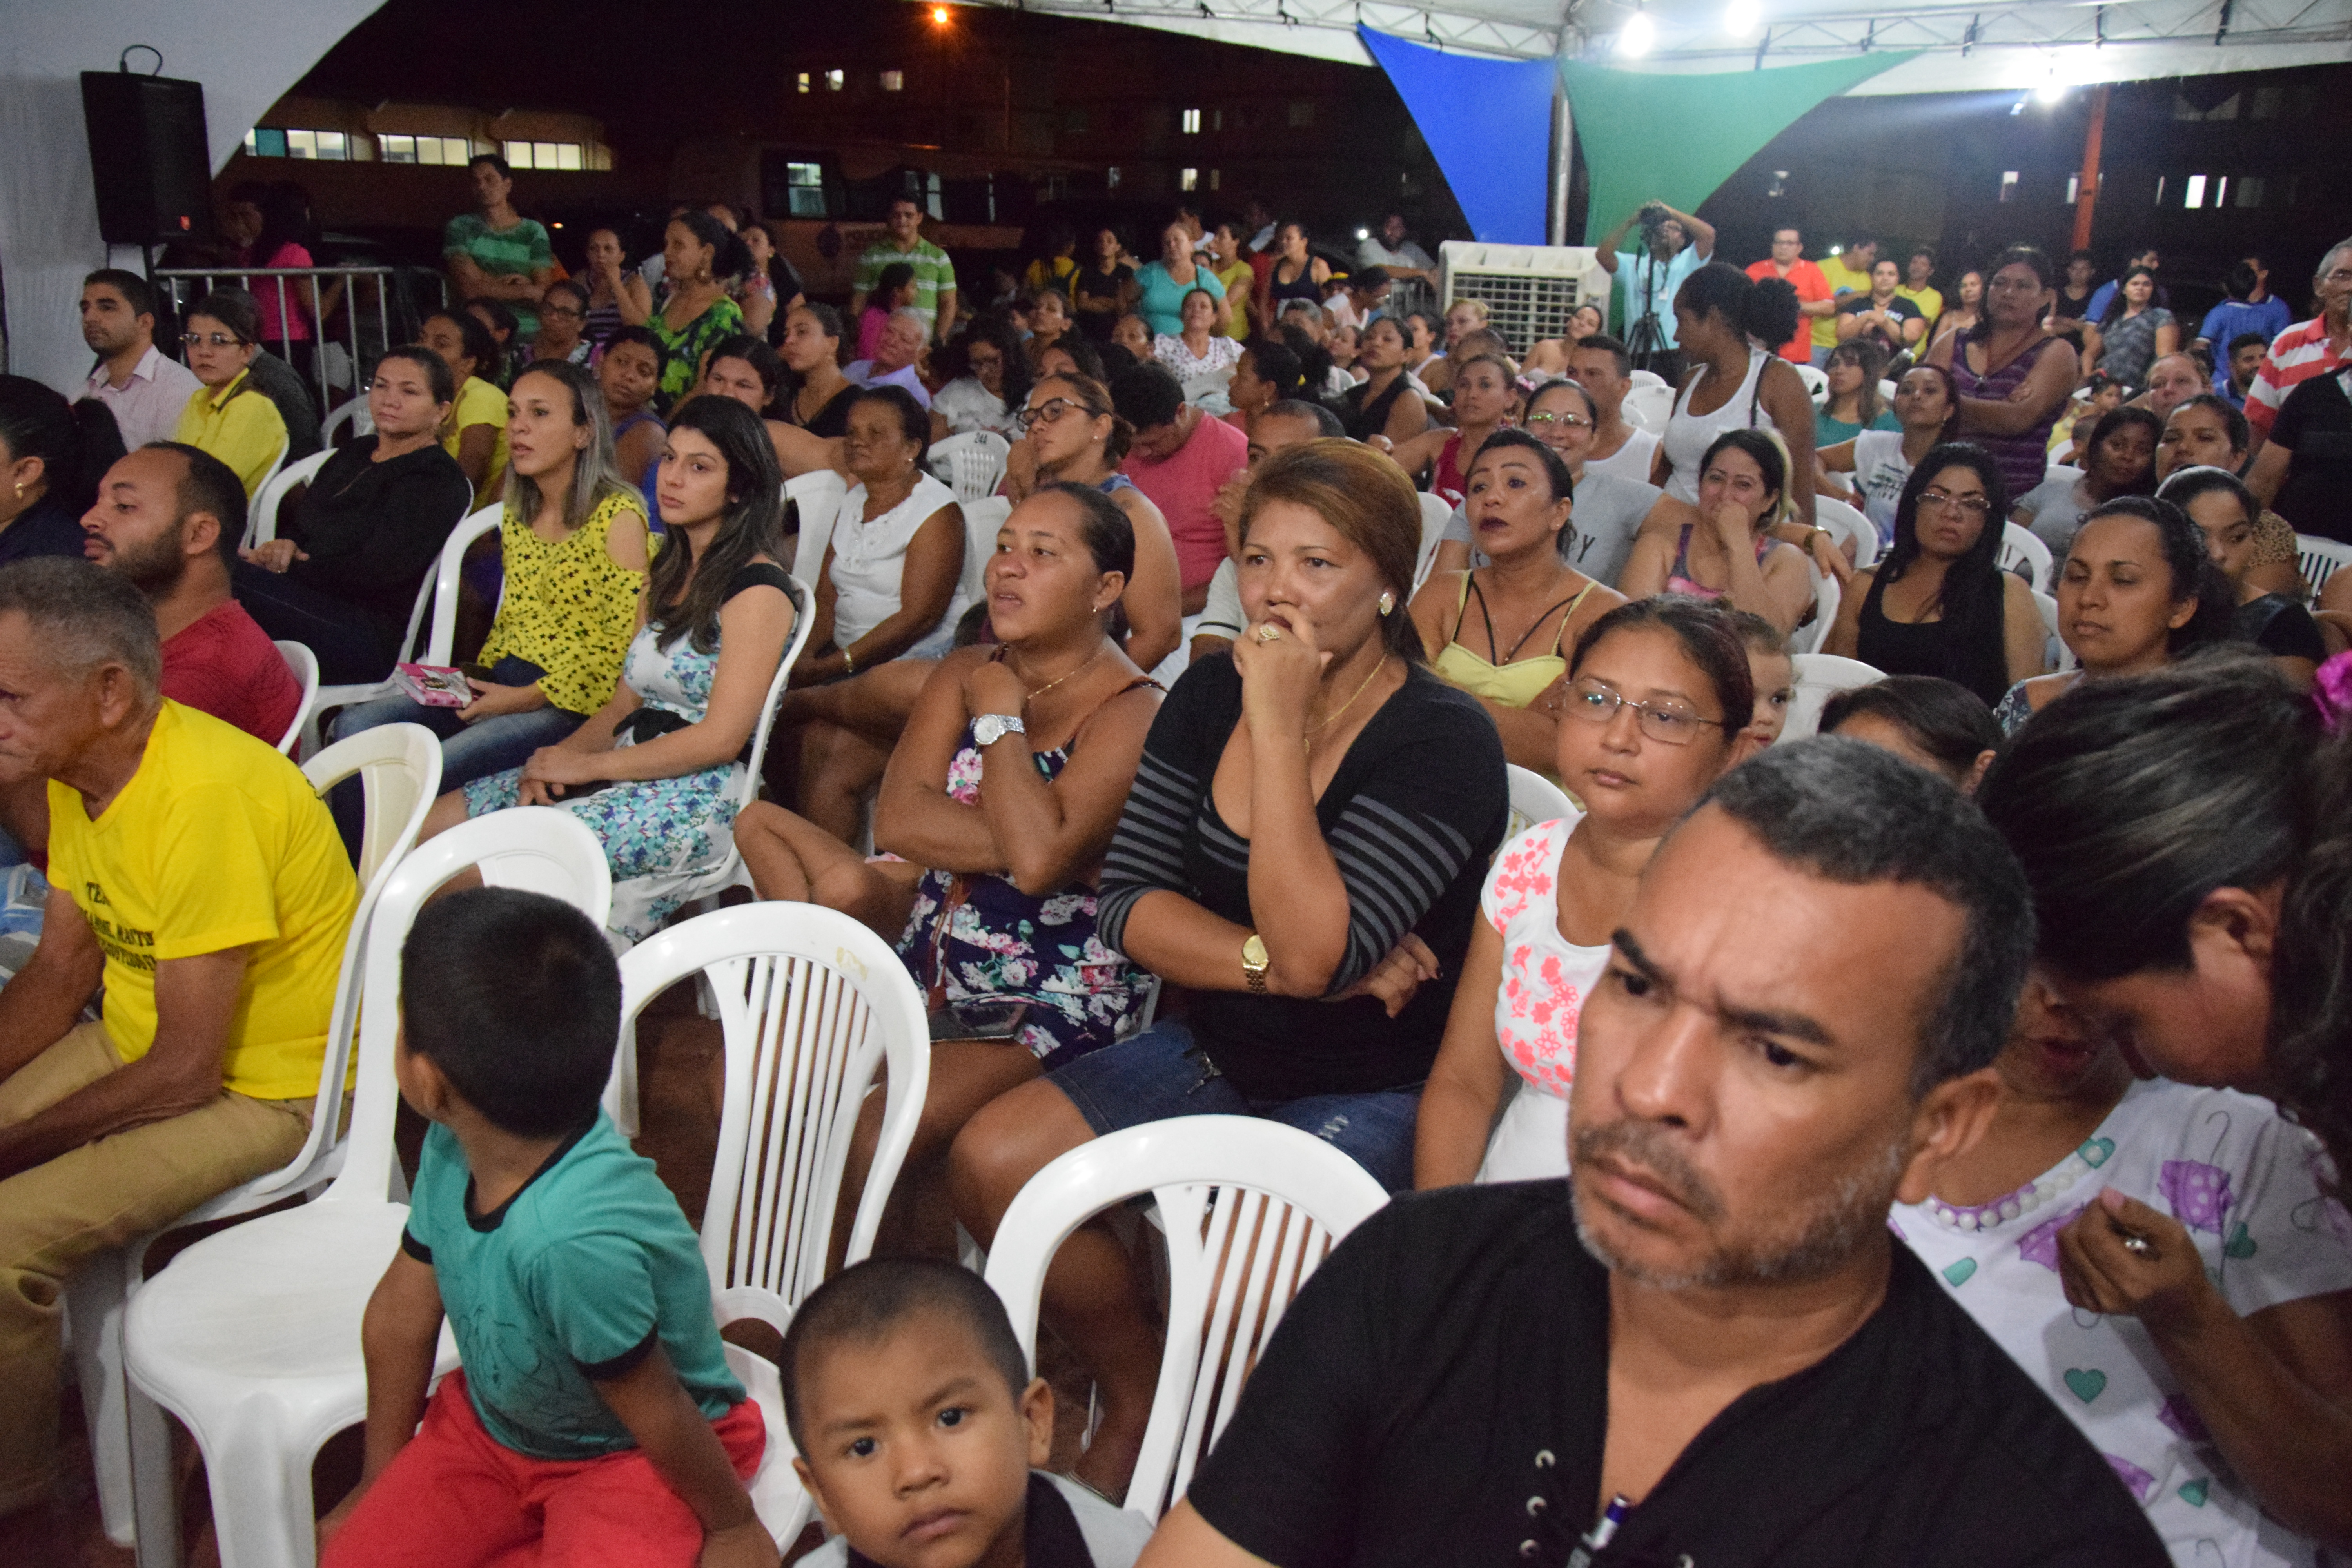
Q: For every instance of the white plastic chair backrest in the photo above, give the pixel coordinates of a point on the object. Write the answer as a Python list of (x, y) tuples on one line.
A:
[(444, 633), (1886, 391), (2065, 471), (1436, 512), (261, 517), (1207, 384), (1817, 381), (535, 848), (2057, 649), (1818, 676), (1250, 1208), (803, 619), (1649, 408), (811, 1005), (1645, 378), (971, 463), (1849, 525), (1534, 798), (277, 465), (399, 767), (303, 664), (818, 496), (355, 413), (2320, 560), (1827, 595), (2022, 546), (982, 518)]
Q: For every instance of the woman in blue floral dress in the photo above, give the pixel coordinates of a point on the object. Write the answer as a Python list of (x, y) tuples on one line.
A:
[(999, 803), (657, 771)]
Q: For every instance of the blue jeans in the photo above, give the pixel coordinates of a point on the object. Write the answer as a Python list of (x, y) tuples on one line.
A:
[(469, 752), (1160, 1073)]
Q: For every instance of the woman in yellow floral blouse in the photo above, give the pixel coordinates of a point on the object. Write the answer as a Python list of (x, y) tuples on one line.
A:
[(573, 544)]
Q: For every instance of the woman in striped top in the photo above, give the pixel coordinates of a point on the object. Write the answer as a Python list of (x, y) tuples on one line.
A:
[(1301, 852)]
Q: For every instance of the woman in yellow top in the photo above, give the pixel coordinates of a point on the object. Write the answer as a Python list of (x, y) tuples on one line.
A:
[(476, 430), (1526, 599), (228, 416), (572, 543), (1226, 262)]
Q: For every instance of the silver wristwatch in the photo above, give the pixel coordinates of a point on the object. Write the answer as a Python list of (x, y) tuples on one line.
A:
[(990, 728)]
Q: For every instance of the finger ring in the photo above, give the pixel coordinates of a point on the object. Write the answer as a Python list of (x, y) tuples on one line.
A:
[(2138, 1245), (1269, 633)]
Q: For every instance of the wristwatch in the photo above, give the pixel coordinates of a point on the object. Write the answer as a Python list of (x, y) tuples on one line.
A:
[(1255, 962), (990, 728)]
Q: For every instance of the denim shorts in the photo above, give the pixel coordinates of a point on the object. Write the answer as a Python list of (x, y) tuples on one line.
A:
[(1160, 1073)]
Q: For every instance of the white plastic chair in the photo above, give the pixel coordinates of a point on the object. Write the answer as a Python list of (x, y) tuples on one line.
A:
[(439, 596), (303, 664), (1209, 384), (1649, 408), (972, 465), (1819, 676), (2056, 652), (2021, 546), (1827, 595), (261, 517), (1534, 798), (1817, 381), (1886, 392), (1645, 378), (252, 1336), (982, 518), (818, 496), (1851, 527), (277, 465), (1250, 1207), (1436, 512), (399, 767), (355, 414), (811, 1005), (2320, 560)]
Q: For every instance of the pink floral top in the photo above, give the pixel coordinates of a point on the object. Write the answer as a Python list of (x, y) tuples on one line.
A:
[(1546, 977)]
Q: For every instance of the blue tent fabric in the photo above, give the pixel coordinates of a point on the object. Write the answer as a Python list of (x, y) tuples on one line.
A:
[(1488, 125)]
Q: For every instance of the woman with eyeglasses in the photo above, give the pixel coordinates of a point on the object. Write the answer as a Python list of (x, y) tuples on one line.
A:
[(1882, 461), (562, 325), (1657, 710), (2013, 378), (987, 381), (1940, 604), (2137, 590), (1072, 436), (1728, 550), (1527, 601), (229, 416), (1301, 852)]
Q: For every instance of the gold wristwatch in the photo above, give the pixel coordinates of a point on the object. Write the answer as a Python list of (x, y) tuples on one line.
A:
[(1255, 962)]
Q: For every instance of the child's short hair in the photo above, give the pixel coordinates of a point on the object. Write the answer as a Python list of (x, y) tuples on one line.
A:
[(866, 1300), (516, 998)]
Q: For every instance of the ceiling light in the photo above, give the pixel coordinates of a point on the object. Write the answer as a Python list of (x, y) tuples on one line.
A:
[(940, 15), (1741, 16), (1640, 35)]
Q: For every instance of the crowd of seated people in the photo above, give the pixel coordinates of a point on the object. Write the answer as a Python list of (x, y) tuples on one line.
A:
[(1188, 791)]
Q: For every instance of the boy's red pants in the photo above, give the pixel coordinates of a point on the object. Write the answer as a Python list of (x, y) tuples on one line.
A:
[(457, 1497)]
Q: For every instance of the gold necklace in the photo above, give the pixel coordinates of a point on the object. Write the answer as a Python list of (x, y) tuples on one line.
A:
[(1040, 691), (1307, 739)]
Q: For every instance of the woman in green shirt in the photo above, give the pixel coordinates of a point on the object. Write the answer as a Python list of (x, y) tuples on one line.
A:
[(698, 258)]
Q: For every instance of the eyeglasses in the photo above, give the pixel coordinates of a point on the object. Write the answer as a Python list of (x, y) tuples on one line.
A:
[(217, 340), (1975, 507), (1539, 423), (2341, 275), (560, 311), (1662, 719), (1047, 412)]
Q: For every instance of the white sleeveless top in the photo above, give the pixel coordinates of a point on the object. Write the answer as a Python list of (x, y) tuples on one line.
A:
[(869, 556), (1545, 979), (1688, 435)]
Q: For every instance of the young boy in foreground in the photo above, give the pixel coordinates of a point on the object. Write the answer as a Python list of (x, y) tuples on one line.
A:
[(595, 1419), (917, 1425)]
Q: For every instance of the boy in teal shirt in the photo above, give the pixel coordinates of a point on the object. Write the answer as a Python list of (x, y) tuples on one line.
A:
[(595, 1415)]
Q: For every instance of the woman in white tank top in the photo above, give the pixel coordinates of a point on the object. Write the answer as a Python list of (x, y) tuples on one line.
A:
[(1721, 315)]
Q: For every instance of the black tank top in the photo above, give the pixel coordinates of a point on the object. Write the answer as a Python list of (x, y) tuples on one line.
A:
[(1366, 419), (1299, 287), (1934, 647)]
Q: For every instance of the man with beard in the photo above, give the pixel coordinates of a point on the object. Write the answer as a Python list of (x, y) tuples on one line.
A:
[(1707, 1348), (146, 390), (170, 518)]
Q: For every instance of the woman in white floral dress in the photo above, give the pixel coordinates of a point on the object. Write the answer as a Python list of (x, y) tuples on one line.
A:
[(1658, 699)]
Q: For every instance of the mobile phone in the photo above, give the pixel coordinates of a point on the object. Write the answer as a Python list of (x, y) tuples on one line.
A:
[(978, 1020)]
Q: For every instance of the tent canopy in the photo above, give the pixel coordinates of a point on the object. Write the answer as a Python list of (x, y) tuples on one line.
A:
[(1961, 46)]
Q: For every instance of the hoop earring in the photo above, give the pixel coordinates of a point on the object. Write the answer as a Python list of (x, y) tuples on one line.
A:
[(1388, 603)]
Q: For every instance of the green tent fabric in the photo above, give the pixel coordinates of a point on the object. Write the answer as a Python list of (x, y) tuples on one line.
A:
[(1677, 137)]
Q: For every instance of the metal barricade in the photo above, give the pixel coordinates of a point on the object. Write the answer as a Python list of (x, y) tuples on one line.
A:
[(370, 307)]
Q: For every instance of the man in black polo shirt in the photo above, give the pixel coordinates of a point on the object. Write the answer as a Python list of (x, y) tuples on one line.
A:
[(1714, 1325)]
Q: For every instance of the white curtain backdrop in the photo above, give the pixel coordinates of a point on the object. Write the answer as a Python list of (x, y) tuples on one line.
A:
[(246, 54)]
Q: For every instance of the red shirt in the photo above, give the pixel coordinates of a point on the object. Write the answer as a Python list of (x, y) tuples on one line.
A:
[(223, 663), (1811, 288), (1183, 487)]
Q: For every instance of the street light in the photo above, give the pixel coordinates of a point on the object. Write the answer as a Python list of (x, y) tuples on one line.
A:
[(938, 16), (1639, 36)]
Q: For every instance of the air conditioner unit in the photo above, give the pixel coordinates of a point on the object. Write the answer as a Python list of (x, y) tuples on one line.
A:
[(1529, 290)]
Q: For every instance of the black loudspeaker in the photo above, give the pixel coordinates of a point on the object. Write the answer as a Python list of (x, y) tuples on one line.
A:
[(149, 157)]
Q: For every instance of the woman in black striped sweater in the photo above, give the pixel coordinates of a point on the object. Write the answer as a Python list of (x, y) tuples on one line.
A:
[(1301, 855)]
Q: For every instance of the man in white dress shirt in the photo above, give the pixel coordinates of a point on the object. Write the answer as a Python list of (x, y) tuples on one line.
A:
[(146, 389)]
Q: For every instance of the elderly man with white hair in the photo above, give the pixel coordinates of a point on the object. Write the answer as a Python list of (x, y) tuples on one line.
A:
[(898, 357)]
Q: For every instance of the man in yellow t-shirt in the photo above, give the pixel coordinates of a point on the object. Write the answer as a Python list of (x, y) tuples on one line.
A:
[(1919, 284), (192, 869), (1848, 273)]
